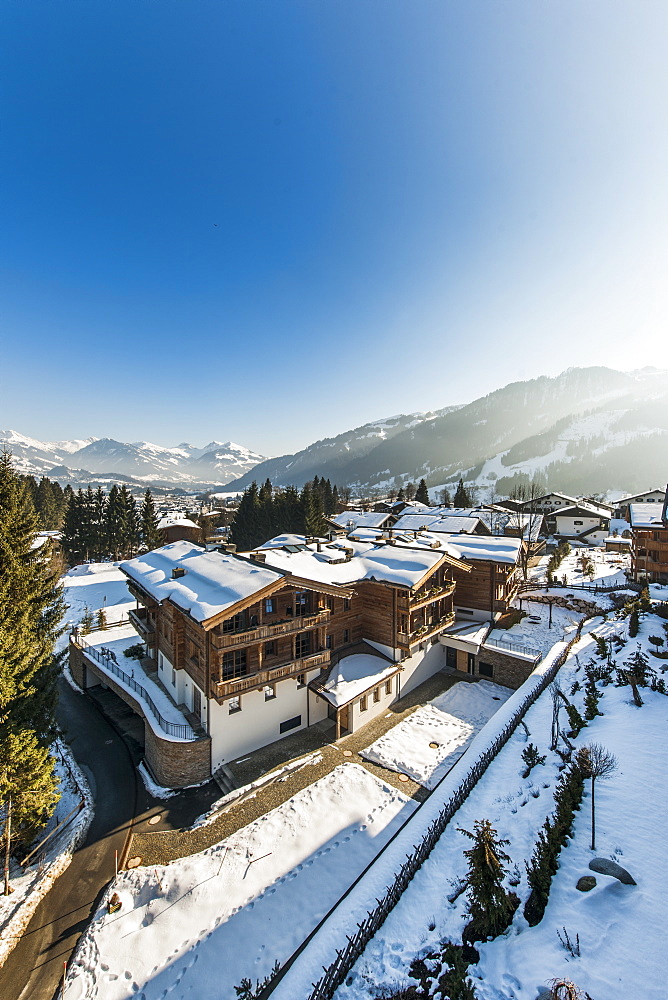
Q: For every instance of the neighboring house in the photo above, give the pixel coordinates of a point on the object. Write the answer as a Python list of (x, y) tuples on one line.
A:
[(651, 496), (583, 522), (452, 521), (548, 502), (649, 547), (350, 520), (179, 529)]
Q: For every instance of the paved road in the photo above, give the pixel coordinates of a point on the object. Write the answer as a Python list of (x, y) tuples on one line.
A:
[(34, 969)]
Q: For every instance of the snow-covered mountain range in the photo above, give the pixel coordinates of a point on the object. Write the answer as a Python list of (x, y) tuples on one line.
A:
[(586, 430), (78, 461)]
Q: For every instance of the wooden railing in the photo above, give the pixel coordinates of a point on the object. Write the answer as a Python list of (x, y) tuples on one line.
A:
[(259, 632), (237, 685), (425, 632), (426, 597), (139, 618)]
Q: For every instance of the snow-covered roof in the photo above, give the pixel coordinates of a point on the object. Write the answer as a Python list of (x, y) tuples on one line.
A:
[(355, 674), (286, 538), (582, 508), (646, 515), (174, 521), (637, 497), (465, 635), (352, 519), (490, 548), (212, 583), (370, 560), (437, 522)]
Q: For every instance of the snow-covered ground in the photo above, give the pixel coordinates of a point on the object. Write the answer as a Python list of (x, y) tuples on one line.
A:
[(196, 928), (94, 586), (609, 568), (451, 721), (621, 928), (32, 883), (534, 630)]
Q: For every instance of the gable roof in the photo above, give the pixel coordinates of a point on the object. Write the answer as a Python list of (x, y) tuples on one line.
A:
[(213, 582)]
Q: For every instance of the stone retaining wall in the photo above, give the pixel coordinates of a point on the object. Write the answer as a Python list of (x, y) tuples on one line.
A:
[(578, 604), (173, 763)]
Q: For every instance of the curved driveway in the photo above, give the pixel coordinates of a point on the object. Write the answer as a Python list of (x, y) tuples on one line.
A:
[(33, 971)]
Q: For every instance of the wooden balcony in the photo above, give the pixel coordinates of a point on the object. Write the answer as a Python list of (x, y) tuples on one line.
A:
[(140, 621), (404, 640), (269, 675), (423, 598), (259, 632)]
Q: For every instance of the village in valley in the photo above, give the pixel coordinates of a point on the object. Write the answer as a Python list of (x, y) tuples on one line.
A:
[(361, 706)]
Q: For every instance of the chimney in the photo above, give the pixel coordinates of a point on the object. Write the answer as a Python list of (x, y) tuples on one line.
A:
[(178, 572), (260, 557), (664, 512), (318, 545)]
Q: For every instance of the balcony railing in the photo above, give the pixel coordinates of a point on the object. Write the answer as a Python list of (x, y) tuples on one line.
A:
[(425, 632), (233, 687), (139, 618), (182, 731), (426, 597), (257, 633), (514, 647)]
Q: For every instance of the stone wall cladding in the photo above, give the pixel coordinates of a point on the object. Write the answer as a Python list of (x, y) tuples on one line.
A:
[(509, 671), (173, 763), (577, 604)]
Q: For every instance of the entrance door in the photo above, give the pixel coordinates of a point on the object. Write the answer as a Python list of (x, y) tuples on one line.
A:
[(197, 702), (343, 718)]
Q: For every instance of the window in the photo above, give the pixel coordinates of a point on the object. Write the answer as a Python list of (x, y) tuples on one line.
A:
[(346, 635), (301, 602), (234, 705), (346, 604), (290, 724), (301, 680), (329, 642), (329, 603), (270, 648), (302, 645), (235, 624), (388, 686), (269, 606), (234, 664), (363, 703), (485, 669), (269, 692), (376, 695), (173, 677), (193, 652)]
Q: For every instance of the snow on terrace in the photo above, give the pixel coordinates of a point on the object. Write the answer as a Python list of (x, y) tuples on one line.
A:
[(93, 586), (353, 675), (621, 928), (609, 568), (117, 640), (197, 927), (211, 583), (450, 721)]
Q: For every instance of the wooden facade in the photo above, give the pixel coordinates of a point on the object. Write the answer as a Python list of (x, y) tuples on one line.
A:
[(649, 554), (489, 587)]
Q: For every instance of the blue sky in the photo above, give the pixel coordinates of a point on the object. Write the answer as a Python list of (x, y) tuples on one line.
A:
[(271, 220)]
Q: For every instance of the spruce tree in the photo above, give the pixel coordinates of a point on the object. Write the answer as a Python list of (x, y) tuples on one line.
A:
[(31, 609), (490, 906), (312, 513), (114, 523), (244, 531), (72, 537), (150, 535), (462, 496), (422, 494), (99, 525), (45, 505)]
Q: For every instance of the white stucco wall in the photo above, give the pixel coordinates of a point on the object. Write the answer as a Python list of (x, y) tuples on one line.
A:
[(258, 722), (424, 663), (357, 717), (566, 524)]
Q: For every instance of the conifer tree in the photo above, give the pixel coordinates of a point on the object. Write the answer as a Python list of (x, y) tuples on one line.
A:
[(150, 534), (114, 523), (98, 525), (31, 608), (312, 513), (71, 534), (490, 906), (462, 496), (131, 528), (244, 531), (101, 619), (45, 505), (87, 622), (401, 495), (422, 494), (335, 499), (410, 491)]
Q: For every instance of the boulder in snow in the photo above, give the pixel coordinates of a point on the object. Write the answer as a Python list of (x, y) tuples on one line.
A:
[(586, 883), (606, 867)]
